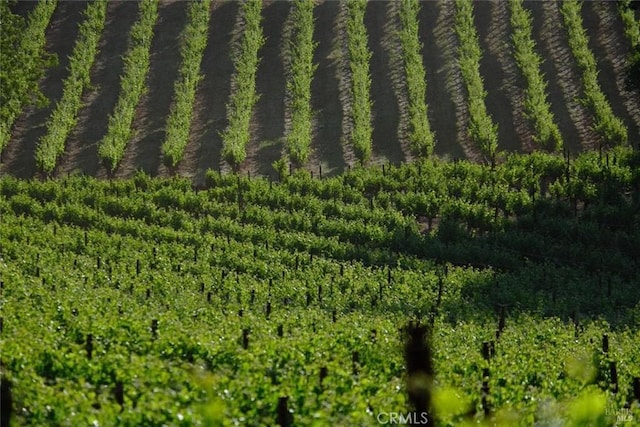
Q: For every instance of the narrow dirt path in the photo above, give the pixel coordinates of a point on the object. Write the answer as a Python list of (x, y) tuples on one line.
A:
[(326, 149), (19, 155), (608, 43), (267, 124), (82, 146), (143, 150), (446, 39), (555, 48), (380, 30), (492, 24), (439, 61), (209, 110)]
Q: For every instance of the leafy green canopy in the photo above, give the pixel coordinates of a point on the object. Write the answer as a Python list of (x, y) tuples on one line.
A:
[(23, 62), (203, 306)]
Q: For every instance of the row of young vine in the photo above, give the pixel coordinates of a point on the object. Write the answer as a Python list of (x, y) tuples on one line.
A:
[(300, 47), (247, 209), (338, 216), (537, 108), (631, 24), (632, 32), (610, 128), (482, 130), (236, 136), (359, 57), (132, 86), (22, 64), (421, 138), (63, 118), (193, 42)]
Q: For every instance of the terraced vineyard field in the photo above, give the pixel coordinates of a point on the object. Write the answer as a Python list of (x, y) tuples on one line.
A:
[(319, 213), (336, 118)]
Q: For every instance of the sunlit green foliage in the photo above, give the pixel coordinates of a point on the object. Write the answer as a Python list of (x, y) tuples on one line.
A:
[(64, 115), (609, 127), (132, 86), (538, 110), (301, 47), (194, 40), (243, 95), (632, 32), (23, 62), (421, 138), (482, 130), (80, 257), (359, 57)]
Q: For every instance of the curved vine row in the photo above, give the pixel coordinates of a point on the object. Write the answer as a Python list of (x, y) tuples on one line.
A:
[(538, 110), (23, 62), (421, 138), (482, 129), (359, 56), (64, 116), (132, 86), (301, 48), (243, 91), (610, 128), (194, 40)]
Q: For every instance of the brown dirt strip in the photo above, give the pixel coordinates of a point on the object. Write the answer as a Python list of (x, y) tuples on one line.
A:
[(209, 110), (385, 111), (23, 8), (438, 58), (82, 146), (143, 150), (608, 43), (326, 147), (19, 155), (267, 124), (446, 39), (492, 24), (555, 48)]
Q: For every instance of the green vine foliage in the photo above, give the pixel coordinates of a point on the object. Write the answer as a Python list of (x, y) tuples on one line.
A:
[(421, 138), (194, 41), (359, 57), (23, 62), (538, 110), (63, 118), (132, 86), (235, 294), (482, 129), (301, 48), (611, 128), (243, 97)]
